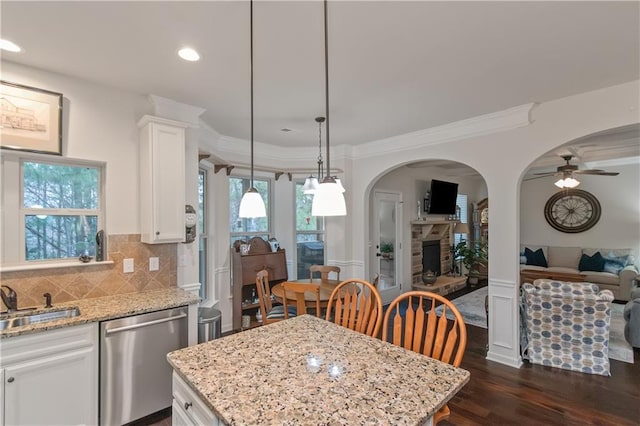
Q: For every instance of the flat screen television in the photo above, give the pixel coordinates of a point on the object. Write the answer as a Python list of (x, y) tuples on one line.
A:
[(442, 197)]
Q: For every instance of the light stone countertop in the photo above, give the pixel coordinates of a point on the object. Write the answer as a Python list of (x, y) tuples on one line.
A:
[(264, 376), (106, 308)]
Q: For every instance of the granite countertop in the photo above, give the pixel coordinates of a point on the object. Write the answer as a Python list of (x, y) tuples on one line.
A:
[(307, 370), (106, 308)]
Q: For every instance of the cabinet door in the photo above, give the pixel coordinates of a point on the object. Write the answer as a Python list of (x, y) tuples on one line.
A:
[(168, 180), (58, 389)]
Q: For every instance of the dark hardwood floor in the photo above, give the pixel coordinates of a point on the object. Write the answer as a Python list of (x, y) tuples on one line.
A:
[(538, 395)]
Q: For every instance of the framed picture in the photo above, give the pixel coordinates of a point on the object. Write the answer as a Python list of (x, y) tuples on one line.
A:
[(425, 205), (31, 119)]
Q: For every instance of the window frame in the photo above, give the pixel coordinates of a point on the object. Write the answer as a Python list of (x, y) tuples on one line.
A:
[(262, 234), (14, 213), (322, 234)]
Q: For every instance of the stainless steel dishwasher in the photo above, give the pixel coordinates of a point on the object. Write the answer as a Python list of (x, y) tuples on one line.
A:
[(135, 377)]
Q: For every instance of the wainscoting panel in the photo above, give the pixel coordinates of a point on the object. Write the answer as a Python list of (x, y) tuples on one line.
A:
[(504, 318)]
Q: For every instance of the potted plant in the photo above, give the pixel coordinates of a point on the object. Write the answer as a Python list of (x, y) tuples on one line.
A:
[(473, 255), (386, 249)]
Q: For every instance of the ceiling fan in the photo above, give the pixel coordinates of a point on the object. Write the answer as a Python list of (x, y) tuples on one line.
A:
[(566, 170)]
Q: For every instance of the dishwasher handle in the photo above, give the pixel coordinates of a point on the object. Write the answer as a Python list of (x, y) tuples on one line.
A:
[(143, 324)]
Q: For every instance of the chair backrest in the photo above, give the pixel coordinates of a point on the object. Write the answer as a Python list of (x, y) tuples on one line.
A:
[(264, 294), (324, 271), (298, 290), (356, 304), (421, 329)]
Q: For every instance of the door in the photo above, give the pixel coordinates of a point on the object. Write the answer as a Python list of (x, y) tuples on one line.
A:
[(387, 238)]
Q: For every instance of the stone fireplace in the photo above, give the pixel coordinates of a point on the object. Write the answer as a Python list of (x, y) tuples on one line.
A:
[(432, 235)]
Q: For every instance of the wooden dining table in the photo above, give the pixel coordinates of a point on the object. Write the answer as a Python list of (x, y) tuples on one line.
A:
[(326, 288)]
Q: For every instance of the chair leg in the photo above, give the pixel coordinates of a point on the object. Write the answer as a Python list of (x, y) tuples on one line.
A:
[(442, 414)]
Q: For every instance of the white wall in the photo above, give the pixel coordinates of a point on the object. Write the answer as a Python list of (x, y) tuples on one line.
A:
[(619, 224), (99, 123)]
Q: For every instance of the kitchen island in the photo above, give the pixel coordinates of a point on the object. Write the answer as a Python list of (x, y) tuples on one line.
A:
[(307, 370)]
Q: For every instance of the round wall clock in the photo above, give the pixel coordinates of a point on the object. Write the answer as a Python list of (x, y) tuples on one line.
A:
[(572, 210)]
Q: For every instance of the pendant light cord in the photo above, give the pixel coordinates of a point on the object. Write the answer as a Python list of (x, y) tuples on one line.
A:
[(326, 85), (251, 67)]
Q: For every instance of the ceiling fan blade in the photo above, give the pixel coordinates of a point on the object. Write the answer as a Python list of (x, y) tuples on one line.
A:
[(596, 172), (546, 174), (542, 175)]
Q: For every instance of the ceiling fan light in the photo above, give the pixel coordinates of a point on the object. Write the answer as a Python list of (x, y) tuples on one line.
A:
[(252, 205), (559, 183), (571, 182), (328, 200)]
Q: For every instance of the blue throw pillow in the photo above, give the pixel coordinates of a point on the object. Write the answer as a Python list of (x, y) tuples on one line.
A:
[(535, 258), (615, 264), (593, 263)]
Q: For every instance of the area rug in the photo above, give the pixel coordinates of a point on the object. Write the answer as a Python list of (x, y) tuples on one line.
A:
[(471, 307)]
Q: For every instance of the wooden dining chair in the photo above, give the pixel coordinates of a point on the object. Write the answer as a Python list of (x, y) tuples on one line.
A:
[(421, 329), (357, 305), (324, 271), (270, 313), (298, 290)]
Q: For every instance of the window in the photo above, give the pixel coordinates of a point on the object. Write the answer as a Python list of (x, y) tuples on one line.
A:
[(202, 234), (243, 228), (55, 212), (309, 234), (461, 201)]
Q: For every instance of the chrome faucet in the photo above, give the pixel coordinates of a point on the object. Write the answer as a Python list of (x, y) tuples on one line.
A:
[(10, 299)]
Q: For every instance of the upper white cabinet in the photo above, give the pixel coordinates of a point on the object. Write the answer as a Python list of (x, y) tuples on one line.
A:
[(162, 180), (50, 378)]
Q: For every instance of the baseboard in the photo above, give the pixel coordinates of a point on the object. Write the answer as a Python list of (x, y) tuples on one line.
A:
[(517, 363)]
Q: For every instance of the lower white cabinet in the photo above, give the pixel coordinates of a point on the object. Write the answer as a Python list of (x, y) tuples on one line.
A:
[(51, 378), (188, 409)]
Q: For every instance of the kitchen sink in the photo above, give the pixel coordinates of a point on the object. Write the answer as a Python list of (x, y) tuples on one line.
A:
[(17, 320)]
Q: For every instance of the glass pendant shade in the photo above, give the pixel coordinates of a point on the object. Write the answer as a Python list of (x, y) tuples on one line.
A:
[(252, 205), (328, 200), (339, 183), (310, 185), (567, 182)]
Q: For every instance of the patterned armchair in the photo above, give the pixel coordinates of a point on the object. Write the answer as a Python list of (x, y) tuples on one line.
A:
[(567, 325)]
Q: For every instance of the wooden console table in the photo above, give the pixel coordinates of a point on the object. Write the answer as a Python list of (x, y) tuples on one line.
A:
[(529, 275)]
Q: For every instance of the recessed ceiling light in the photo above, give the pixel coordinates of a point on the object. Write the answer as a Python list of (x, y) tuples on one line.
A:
[(9, 46), (188, 54)]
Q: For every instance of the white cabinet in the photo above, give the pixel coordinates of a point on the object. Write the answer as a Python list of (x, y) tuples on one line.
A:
[(162, 180), (51, 377), (187, 408)]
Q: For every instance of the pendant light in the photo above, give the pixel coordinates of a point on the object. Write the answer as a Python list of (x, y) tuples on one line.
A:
[(252, 204), (311, 183), (329, 198)]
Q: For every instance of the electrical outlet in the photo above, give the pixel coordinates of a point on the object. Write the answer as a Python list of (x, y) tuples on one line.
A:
[(127, 266), (154, 264)]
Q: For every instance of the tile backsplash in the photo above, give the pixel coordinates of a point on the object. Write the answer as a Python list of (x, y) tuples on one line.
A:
[(85, 282)]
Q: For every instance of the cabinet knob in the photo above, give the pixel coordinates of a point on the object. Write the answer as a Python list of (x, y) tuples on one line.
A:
[(157, 232), (10, 379), (187, 405)]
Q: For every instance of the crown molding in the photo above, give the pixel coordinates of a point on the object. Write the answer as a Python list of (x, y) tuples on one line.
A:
[(168, 108), (237, 149), (494, 122)]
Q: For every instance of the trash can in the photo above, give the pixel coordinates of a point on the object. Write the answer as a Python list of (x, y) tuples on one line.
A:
[(209, 324)]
